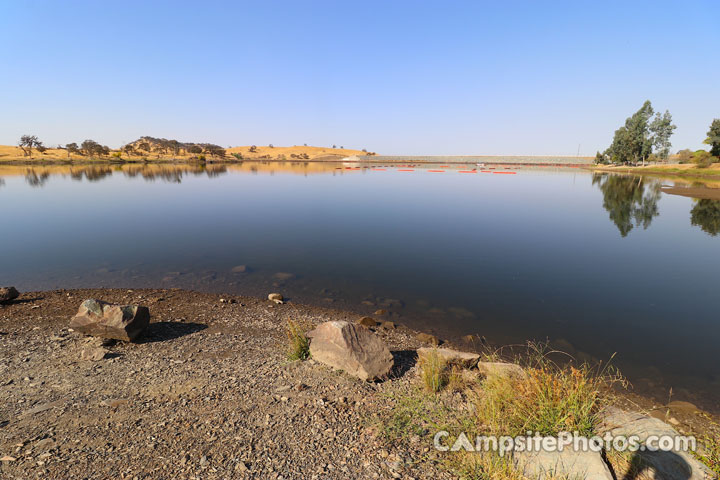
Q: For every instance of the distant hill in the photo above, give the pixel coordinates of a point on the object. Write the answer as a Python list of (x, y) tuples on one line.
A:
[(154, 148), (295, 152)]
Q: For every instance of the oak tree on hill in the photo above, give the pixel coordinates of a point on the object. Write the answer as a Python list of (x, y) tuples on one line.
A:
[(27, 143), (128, 149), (72, 148), (91, 147)]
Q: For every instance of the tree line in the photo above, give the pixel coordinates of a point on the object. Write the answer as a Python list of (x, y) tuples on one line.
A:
[(142, 147), (645, 137)]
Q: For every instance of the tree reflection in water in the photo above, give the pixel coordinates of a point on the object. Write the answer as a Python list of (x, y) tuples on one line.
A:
[(706, 215), (630, 201)]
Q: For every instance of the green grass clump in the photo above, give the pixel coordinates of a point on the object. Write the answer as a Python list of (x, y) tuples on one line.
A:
[(298, 344), (433, 371)]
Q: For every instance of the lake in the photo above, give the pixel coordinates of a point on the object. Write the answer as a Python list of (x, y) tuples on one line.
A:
[(594, 263)]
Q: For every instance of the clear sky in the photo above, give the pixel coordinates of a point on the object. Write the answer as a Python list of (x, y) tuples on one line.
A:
[(396, 77)]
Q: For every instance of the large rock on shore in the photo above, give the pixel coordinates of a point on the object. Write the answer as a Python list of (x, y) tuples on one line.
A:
[(649, 465), (451, 357), (8, 293), (568, 463), (102, 319), (352, 348)]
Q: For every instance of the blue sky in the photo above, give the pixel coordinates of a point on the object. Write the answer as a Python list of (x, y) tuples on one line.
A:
[(396, 77)]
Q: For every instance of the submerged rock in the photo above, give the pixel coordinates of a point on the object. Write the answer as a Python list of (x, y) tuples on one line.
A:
[(283, 276), (451, 357), (8, 293), (102, 319), (349, 347)]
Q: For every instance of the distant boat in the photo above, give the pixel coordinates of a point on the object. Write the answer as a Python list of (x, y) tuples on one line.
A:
[(480, 164)]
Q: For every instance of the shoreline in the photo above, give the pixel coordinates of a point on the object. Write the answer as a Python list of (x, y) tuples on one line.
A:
[(686, 174), (207, 389), (369, 160)]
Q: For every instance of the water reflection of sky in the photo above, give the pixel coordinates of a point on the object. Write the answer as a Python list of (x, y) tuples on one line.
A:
[(605, 263)]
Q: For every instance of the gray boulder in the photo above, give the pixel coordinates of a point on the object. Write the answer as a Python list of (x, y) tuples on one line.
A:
[(646, 465), (102, 319), (567, 463), (8, 293), (352, 348)]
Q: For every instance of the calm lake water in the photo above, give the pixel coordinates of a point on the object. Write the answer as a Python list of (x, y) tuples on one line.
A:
[(596, 264)]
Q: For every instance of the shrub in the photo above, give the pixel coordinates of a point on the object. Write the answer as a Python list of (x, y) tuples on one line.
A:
[(702, 159), (238, 156), (684, 156), (117, 155), (298, 346), (433, 371)]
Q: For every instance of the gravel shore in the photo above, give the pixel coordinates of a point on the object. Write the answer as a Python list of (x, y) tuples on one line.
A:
[(207, 393)]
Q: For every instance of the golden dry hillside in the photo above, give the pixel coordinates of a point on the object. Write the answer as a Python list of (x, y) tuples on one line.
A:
[(9, 153), (294, 152)]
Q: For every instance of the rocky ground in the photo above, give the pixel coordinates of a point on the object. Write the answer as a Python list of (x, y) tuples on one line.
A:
[(206, 393)]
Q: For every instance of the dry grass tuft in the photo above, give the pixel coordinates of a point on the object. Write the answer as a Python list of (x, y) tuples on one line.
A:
[(551, 399), (433, 371), (298, 344), (710, 455)]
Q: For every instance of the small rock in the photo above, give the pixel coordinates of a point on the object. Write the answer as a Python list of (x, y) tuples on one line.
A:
[(276, 297), (7, 458), (381, 311), (427, 338), (240, 269), (388, 325), (501, 369), (367, 322), (93, 354), (113, 402), (8, 293), (451, 357)]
